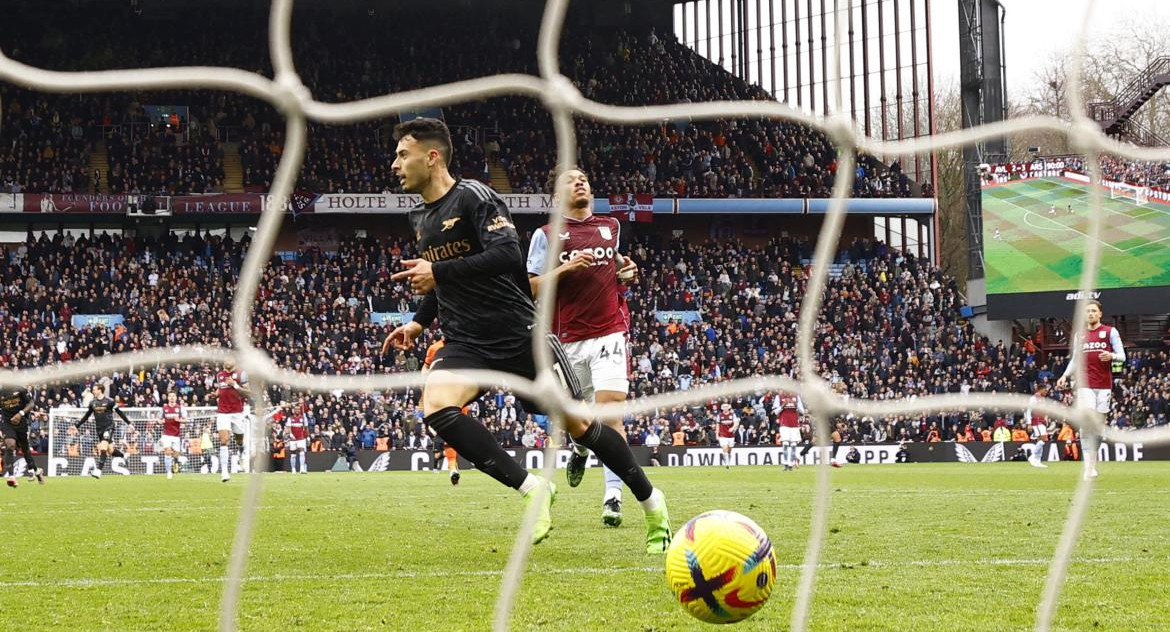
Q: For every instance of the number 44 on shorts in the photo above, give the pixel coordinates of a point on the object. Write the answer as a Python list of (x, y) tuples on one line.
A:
[(618, 351)]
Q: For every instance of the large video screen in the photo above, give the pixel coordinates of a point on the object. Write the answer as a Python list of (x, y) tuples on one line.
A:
[(1035, 231)]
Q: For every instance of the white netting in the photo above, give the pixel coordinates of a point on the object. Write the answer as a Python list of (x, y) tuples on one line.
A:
[(1137, 194), (561, 98), (71, 450)]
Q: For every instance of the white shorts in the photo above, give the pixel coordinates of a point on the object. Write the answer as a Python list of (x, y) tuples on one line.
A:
[(230, 421), (297, 445), (168, 442), (1040, 431), (1099, 398), (600, 363), (727, 442), (789, 435)]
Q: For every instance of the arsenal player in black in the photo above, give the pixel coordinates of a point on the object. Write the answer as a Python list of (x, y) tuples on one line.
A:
[(15, 407), (472, 273), (103, 409)]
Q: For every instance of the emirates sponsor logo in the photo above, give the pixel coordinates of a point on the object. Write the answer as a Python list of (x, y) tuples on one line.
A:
[(446, 251)]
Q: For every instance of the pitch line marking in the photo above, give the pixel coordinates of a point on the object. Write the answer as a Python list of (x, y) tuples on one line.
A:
[(1087, 238), (1151, 207), (405, 574)]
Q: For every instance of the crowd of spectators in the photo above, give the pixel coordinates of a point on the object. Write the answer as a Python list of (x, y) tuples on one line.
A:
[(720, 158), (889, 328), (158, 159), (43, 146), (1139, 172)]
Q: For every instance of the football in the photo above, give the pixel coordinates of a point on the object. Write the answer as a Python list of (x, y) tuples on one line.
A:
[(721, 567)]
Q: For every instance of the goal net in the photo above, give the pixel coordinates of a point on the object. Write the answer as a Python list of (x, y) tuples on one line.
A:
[(73, 451), (1137, 194)]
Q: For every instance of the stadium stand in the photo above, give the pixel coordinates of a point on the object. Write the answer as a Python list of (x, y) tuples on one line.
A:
[(713, 159), (890, 328)]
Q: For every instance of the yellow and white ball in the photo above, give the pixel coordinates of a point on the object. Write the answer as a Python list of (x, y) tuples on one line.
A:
[(721, 567)]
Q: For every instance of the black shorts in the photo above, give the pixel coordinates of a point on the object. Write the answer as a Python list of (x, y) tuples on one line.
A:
[(9, 431), (455, 356), (104, 433)]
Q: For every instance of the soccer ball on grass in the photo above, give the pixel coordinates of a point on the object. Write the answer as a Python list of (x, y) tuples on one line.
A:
[(721, 567)]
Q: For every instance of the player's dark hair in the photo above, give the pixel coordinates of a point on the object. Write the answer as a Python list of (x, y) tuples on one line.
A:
[(1094, 301), (554, 178), (428, 130)]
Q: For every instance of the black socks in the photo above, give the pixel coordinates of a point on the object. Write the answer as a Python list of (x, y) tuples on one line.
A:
[(473, 441), (612, 450)]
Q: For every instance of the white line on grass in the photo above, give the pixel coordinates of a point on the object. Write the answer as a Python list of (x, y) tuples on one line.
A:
[(1059, 227), (408, 574), (111, 507), (1153, 207), (1028, 212)]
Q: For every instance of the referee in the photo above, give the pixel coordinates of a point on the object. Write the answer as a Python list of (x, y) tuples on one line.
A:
[(472, 273), (15, 406)]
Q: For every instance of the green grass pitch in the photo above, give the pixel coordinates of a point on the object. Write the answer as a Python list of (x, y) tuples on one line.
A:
[(911, 547), (1040, 251)]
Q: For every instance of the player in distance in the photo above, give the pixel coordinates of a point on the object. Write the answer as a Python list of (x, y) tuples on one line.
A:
[(791, 408), (472, 277), (296, 426), (1102, 348), (174, 414), (15, 408), (1039, 427), (591, 319), (230, 416), (726, 423), (103, 409)]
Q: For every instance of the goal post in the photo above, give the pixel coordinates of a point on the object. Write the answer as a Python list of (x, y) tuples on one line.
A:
[(1139, 195), (73, 452)]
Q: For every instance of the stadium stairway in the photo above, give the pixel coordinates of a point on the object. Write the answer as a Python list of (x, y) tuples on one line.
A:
[(500, 181), (1114, 116), (757, 173), (99, 160), (233, 170)]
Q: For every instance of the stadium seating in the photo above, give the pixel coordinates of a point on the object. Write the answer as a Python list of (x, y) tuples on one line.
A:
[(889, 328), (709, 159)]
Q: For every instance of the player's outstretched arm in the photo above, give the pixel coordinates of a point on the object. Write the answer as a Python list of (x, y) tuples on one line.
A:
[(121, 414), (496, 259), (23, 412), (85, 417)]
